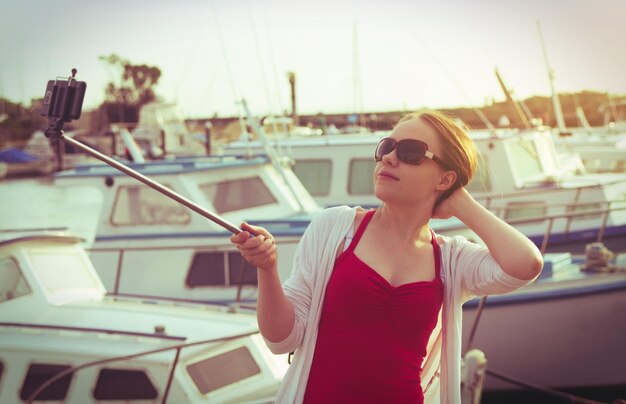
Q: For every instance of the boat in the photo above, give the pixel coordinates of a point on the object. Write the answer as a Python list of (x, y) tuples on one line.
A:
[(520, 176), (57, 321), (162, 125), (19, 163), (599, 152), (148, 244), (564, 331)]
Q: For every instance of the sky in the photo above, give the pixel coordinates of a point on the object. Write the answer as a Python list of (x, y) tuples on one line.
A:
[(348, 56)]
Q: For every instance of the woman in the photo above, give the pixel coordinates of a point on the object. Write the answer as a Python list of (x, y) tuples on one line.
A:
[(373, 306)]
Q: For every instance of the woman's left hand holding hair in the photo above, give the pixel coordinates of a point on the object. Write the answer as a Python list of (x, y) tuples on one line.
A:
[(453, 204), (512, 250)]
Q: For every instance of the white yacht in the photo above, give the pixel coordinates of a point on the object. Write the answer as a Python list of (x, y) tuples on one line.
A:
[(148, 244), (56, 320), (520, 176)]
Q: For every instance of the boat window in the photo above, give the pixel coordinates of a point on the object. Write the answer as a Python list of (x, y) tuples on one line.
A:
[(38, 374), (246, 193), (124, 384), (360, 179), (219, 269), (224, 369), (141, 205), (207, 269), (314, 175), (524, 210), (525, 158), (12, 282), (578, 208), (247, 273), (482, 178)]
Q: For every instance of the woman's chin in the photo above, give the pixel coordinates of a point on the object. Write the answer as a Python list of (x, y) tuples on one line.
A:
[(385, 195)]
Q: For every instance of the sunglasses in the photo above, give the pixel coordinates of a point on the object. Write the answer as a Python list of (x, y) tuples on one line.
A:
[(410, 151)]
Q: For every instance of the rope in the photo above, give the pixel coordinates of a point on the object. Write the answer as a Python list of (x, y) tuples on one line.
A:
[(228, 68), (556, 393), (452, 79), (479, 312), (597, 258), (225, 52), (270, 100), (272, 60)]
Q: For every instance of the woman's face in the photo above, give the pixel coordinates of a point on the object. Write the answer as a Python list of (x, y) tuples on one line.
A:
[(399, 182)]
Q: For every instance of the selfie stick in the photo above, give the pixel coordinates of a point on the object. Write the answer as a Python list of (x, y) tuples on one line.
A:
[(63, 102)]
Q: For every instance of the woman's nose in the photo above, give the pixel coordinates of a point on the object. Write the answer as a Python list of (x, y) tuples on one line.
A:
[(390, 158)]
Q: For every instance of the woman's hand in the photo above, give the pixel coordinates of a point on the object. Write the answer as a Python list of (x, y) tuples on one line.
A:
[(453, 205), (260, 250)]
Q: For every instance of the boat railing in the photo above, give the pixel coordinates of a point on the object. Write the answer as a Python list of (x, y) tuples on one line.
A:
[(568, 217), (91, 330), (177, 348), (121, 251), (487, 200)]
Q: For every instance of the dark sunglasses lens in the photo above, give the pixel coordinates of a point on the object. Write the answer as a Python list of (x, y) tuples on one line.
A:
[(411, 151), (384, 147)]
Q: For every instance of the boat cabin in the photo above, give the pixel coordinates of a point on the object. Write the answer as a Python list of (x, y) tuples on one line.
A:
[(57, 321)]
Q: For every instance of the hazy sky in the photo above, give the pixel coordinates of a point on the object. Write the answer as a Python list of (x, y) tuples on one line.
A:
[(409, 54)]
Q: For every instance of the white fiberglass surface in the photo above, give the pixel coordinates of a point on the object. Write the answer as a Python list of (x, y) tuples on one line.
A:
[(65, 274)]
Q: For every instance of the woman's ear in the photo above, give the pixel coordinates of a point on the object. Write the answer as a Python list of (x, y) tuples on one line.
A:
[(447, 180), (447, 185)]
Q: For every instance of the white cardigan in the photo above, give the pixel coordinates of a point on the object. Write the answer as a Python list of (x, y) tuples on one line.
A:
[(467, 270)]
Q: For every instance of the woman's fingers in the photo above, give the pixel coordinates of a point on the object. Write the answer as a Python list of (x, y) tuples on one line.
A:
[(256, 245)]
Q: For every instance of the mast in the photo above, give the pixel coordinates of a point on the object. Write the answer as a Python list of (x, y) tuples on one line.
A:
[(511, 102), (556, 104)]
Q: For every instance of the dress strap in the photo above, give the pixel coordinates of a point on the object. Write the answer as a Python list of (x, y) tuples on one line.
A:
[(437, 252), (360, 230)]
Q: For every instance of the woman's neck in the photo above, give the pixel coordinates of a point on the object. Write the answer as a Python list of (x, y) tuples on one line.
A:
[(408, 225)]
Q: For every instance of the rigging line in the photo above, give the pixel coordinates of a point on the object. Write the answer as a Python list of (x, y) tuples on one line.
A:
[(225, 53), (571, 398), (456, 84), (479, 312), (231, 79), (270, 44), (260, 60), (270, 99), (262, 68), (186, 67), (204, 98)]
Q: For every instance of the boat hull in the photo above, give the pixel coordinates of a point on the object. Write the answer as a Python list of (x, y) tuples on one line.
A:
[(560, 338)]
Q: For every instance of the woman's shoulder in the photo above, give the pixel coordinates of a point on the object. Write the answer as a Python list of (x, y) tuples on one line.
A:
[(338, 215), (334, 213)]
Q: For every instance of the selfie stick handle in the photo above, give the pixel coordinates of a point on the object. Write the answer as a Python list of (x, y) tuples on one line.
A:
[(152, 184)]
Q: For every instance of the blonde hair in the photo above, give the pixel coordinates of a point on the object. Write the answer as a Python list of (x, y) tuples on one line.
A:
[(459, 150)]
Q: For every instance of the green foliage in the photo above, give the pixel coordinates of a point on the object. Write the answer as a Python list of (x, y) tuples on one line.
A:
[(17, 122)]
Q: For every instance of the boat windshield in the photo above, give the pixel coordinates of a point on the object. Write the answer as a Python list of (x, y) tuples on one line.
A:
[(65, 274), (525, 160), (12, 282)]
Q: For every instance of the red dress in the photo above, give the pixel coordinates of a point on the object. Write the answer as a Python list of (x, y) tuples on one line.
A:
[(372, 336)]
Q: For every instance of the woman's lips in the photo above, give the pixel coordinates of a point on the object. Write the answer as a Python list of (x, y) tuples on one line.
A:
[(388, 175)]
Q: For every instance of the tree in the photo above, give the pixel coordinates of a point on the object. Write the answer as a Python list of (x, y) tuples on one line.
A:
[(18, 122), (134, 89)]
